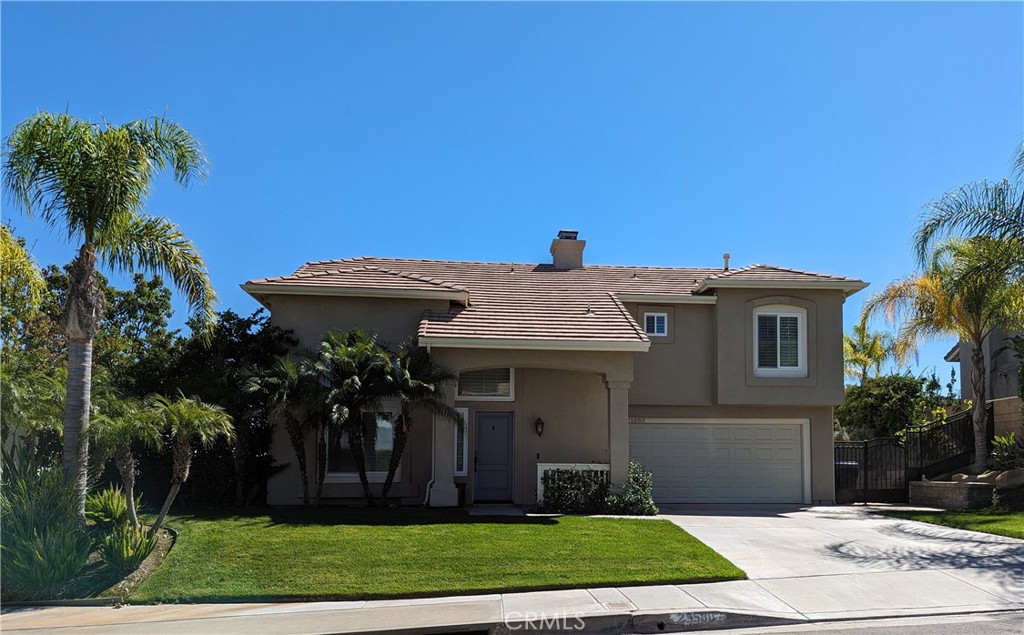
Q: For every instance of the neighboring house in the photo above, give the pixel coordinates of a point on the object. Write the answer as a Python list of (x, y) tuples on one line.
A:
[(1001, 362), (720, 381)]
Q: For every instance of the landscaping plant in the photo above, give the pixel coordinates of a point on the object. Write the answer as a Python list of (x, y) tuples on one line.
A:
[(124, 548), (637, 495), (574, 492), (43, 542), (1007, 452)]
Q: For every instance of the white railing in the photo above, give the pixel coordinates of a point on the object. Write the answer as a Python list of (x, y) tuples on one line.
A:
[(603, 469)]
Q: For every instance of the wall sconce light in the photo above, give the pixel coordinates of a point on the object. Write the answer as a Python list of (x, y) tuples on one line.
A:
[(538, 425)]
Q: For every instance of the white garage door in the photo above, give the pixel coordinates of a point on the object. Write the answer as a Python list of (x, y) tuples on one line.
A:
[(704, 462)]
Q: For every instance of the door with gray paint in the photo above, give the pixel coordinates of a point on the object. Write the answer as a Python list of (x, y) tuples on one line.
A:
[(493, 458)]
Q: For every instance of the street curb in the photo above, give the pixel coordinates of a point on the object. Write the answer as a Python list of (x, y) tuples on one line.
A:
[(642, 622)]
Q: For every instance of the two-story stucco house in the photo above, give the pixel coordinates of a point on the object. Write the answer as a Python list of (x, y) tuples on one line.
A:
[(720, 381)]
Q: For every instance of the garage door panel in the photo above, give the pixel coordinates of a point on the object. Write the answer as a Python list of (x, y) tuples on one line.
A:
[(721, 462)]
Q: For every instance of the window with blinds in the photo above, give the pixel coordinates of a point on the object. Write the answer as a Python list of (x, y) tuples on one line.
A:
[(490, 383), (780, 342)]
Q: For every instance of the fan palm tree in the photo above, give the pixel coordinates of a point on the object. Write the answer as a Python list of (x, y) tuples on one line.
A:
[(417, 382), (959, 293), (118, 424), (287, 393), (865, 351), (187, 419), (91, 181), (355, 374)]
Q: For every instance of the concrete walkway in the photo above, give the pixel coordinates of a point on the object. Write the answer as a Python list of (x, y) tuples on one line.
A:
[(812, 564)]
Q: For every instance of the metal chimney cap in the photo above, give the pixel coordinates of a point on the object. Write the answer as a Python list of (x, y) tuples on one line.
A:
[(567, 234)]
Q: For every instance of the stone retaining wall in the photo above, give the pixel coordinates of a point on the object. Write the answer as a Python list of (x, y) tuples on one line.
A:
[(948, 495)]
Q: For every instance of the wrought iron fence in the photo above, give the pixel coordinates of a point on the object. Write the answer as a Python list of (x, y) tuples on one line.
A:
[(874, 471), (943, 446)]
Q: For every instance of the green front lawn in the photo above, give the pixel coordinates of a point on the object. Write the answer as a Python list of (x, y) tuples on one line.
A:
[(355, 553), (1002, 523)]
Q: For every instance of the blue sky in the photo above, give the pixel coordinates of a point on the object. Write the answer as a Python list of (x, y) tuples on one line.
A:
[(800, 134)]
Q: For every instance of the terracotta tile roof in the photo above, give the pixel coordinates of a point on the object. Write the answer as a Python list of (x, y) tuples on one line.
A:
[(527, 302)]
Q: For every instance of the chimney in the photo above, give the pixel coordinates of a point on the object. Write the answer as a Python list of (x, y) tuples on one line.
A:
[(567, 251), (726, 257)]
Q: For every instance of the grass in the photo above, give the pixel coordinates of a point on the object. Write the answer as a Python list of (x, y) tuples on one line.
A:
[(1009, 524), (344, 554)]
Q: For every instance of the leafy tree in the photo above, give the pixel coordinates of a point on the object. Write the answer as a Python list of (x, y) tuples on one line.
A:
[(865, 351), (186, 420), (879, 406), (959, 293), (418, 383), (21, 289), (91, 182)]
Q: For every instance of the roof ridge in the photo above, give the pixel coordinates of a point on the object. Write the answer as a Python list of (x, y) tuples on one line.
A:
[(503, 262)]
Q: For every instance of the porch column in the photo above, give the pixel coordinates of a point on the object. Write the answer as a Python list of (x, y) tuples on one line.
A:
[(443, 493), (618, 429)]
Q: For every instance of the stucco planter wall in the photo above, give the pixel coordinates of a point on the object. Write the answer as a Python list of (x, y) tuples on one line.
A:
[(949, 495)]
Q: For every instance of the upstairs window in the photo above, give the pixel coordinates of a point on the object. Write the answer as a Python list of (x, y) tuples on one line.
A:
[(491, 384), (656, 324), (780, 342)]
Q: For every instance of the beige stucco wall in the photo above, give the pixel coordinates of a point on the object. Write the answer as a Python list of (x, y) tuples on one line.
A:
[(734, 343), (678, 369), (820, 418), (1008, 416)]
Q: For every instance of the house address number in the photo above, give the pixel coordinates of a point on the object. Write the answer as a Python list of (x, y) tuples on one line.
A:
[(638, 420)]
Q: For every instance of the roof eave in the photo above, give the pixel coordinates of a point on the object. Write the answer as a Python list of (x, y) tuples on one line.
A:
[(535, 344), (849, 287), (256, 289), (667, 298)]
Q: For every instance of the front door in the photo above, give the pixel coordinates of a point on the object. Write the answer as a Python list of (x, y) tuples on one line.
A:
[(493, 459)]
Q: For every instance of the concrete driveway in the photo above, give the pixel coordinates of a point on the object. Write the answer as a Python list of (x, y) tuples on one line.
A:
[(844, 562)]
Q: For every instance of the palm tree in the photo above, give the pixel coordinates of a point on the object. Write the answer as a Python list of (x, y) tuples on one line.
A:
[(90, 182), (30, 404), (187, 419), (982, 208), (417, 382), (354, 372), (117, 424), (959, 293), (865, 351), (287, 396)]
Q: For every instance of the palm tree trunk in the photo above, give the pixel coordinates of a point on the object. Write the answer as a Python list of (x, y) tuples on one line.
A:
[(182, 462), (978, 381), (76, 418), (295, 435), (355, 444), (321, 462), (401, 437), (126, 468)]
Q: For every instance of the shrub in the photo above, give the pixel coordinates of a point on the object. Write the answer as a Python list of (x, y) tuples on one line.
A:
[(1007, 452), (108, 508), (636, 498), (126, 547), (574, 492), (43, 542)]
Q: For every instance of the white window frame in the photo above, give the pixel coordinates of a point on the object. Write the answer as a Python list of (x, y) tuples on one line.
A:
[(465, 443), (511, 388), (656, 315), (782, 310), (353, 477)]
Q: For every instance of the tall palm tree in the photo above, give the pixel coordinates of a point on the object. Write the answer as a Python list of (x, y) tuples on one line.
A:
[(355, 373), (865, 351), (981, 208), (417, 382), (118, 424), (287, 394), (91, 181), (187, 419), (959, 293)]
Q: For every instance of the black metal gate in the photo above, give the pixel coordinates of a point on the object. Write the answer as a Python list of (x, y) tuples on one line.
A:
[(871, 471)]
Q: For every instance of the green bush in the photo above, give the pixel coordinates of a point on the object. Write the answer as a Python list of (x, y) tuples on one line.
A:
[(574, 492), (1007, 452), (880, 406), (42, 540), (108, 508), (636, 498), (126, 547)]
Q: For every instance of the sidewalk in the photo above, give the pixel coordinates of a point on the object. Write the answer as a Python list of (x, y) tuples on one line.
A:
[(805, 565)]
